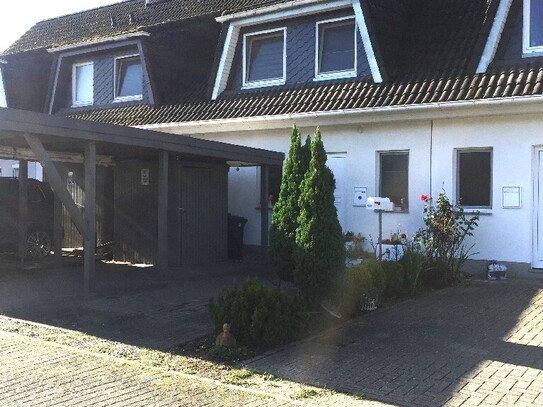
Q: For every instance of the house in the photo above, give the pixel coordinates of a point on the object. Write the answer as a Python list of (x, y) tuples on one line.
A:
[(412, 97)]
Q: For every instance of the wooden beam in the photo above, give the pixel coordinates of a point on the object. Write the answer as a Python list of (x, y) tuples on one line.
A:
[(163, 242), (13, 153), (89, 243), (264, 206), (56, 183), (23, 209)]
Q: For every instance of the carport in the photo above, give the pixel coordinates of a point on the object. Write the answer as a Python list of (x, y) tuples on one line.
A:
[(51, 139)]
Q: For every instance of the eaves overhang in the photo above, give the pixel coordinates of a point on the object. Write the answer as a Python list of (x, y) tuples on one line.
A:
[(67, 135), (378, 115)]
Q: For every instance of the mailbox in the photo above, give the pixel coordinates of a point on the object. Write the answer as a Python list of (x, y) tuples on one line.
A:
[(377, 203)]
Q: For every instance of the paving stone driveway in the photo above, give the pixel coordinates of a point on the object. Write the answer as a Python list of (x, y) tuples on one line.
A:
[(480, 343)]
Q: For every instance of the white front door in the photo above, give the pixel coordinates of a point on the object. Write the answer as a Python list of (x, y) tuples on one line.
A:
[(538, 221), (336, 163)]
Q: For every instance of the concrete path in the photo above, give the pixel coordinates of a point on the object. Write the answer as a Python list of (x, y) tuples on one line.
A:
[(477, 344)]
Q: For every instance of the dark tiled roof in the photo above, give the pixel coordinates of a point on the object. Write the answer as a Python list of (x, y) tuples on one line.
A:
[(115, 20), (520, 80)]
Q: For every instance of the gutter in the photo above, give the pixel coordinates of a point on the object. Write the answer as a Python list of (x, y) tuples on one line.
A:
[(99, 41), (266, 10), (377, 115)]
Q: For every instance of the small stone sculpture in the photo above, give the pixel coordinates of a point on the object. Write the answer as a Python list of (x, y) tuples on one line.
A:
[(225, 338)]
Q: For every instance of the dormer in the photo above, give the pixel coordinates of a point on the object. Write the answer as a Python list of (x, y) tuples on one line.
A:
[(3, 99), (107, 73), (295, 43)]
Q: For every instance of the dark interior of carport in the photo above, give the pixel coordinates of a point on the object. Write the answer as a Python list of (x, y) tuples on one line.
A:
[(166, 195)]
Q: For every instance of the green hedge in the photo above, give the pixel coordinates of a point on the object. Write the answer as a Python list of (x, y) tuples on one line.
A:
[(259, 317)]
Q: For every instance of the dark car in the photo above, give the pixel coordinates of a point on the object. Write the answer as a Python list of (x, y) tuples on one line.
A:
[(40, 217)]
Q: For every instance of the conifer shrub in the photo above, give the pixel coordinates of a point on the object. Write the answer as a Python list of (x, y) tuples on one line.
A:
[(320, 251), (286, 210), (260, 317)]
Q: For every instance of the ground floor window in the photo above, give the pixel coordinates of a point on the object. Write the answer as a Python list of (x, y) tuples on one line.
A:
[(474, 178), (394, 179)]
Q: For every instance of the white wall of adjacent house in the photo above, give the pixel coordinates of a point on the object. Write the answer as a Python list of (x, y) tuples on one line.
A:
[(504, 234), (10, 168)]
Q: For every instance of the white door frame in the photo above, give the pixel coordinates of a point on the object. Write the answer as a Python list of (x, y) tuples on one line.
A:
[(537, 159)]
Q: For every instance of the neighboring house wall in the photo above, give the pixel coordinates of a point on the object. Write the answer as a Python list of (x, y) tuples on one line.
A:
[(10, 168), (300, 49), (504, 234)]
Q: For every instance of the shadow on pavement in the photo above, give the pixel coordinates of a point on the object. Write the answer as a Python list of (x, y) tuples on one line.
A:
[(130, 304)]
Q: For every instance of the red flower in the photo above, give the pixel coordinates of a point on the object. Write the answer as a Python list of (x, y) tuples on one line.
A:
[(424, 197)]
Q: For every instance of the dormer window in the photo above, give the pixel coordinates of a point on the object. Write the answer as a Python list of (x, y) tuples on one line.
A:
[(264, 58), (533, 27), (335, 49), (83, 84), (128, 78)]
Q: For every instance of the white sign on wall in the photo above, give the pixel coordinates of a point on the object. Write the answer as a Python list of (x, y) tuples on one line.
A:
[(145, 176), (511, 197)]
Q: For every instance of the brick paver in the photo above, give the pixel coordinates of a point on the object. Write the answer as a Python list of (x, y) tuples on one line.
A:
[(36, 373), (480, 343)]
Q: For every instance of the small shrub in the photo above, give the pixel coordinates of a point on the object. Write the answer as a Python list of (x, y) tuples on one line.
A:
[(365, 279), (224, 354), (395, 278), (443, 237), (259, 316)]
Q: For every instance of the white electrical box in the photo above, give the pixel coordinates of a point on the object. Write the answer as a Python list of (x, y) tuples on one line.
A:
[(377, 203), (360, 196)]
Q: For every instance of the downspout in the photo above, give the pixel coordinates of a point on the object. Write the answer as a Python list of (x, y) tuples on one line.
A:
[(431, 154)]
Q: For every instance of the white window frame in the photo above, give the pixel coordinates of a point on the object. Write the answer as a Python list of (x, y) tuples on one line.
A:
[(526, 48), (3, 99), (471, 208), (265, 82), (350, 73), (398, 209), (116, 66), (76, 103)]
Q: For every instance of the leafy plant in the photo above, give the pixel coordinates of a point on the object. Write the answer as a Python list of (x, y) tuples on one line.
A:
[(413, 262), (259, 316), (443, 238), (394, 277), (320, 248), (286, 209)]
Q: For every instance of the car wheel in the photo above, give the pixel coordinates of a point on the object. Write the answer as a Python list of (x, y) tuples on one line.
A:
[(38, 244)]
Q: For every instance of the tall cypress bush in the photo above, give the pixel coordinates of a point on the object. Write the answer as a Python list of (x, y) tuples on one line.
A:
[(320, 252), (286, 209)]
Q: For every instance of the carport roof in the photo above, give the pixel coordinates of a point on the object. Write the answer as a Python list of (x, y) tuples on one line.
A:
[(68, 135)]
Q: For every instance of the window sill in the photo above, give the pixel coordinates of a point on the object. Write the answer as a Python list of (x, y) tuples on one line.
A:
[(263, 84), (127, 98), (473, 211), (82, 104), (334, 75), (532, 52)]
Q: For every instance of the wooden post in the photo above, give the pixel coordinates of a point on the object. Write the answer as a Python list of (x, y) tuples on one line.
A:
[(163, 214), (23, 209), (89, 244), (264, 207)]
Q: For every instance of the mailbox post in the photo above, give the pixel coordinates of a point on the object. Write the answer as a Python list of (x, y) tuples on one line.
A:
[(380, 204)]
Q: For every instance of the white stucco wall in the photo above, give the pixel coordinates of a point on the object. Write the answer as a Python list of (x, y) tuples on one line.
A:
[(503, 234)]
